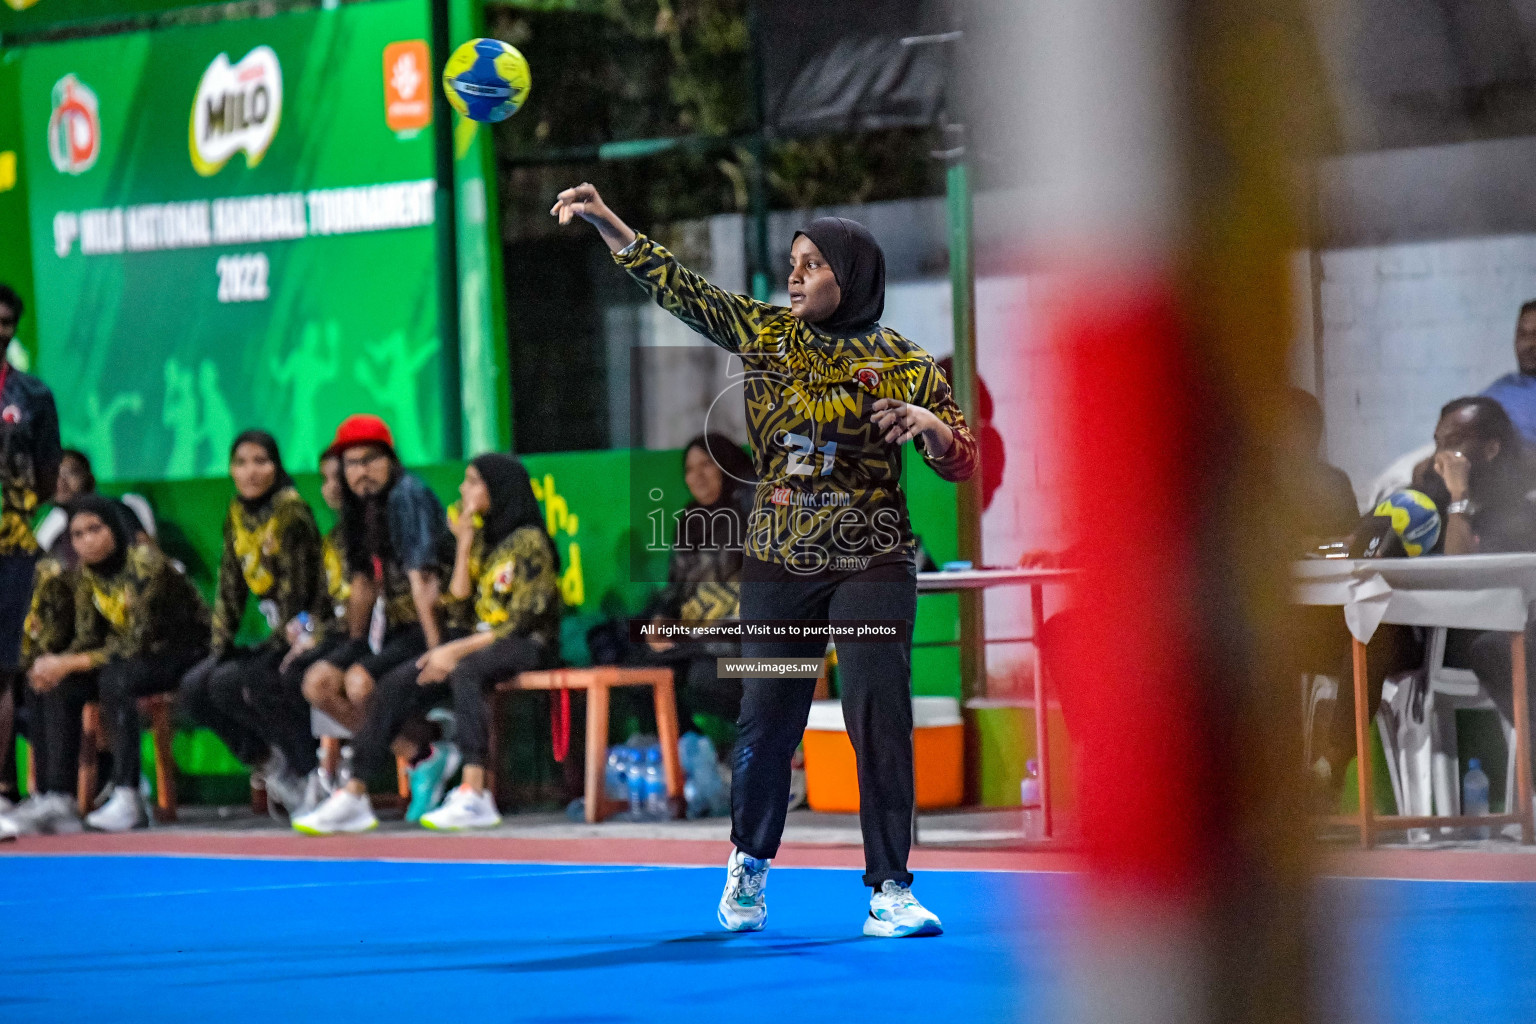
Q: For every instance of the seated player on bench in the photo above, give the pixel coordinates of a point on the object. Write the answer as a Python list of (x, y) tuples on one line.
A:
[(503, 617), (139, 626), (271, 554)]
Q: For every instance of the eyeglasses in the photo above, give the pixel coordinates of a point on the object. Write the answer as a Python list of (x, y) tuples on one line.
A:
[(362, 460)]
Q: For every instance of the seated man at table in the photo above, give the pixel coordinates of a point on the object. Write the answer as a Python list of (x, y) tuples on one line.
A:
[(1487, 479)]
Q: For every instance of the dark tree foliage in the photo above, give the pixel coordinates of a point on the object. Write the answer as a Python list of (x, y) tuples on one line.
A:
[(670, 68)]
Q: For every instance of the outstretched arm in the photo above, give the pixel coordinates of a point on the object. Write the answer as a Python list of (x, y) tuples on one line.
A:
[(729, 320)]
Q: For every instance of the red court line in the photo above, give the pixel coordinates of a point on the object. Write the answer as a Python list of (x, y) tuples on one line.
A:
[(1426, 865), (500, 848)]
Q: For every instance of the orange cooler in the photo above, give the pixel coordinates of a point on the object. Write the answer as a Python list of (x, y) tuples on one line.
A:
[(938, 742)]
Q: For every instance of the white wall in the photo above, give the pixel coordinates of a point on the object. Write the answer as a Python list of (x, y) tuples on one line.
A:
[(1408, 327)]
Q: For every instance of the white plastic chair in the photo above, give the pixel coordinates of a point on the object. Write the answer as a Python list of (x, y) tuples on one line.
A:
[(1417, 725), (1452, 690)]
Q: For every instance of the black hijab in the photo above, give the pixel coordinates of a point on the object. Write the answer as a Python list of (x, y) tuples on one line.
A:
[(281, 479), (697, 525), (115, 515), (736, 469), (859, 266), (512, 502)]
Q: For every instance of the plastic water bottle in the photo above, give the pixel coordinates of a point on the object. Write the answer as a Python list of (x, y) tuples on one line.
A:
[(615, 786), (1474, 794), (634, 778), (656, 807), (1029, 796)]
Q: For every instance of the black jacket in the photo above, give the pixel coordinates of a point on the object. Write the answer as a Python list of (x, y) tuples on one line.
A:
[(29, 457)]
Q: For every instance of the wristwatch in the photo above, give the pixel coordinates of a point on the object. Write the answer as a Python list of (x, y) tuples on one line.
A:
[(1463, 507)]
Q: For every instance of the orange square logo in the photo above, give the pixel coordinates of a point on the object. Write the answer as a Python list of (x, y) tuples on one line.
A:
[(407, 85)]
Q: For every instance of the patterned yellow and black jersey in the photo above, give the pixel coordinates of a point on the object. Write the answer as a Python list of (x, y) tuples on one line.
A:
[(829, 487), (338, 585), (274, 555), (50, 625), (514, 589), (147, 608)]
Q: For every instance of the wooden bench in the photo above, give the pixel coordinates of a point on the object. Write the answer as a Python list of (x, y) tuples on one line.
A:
[(157, 708), (597, 681)]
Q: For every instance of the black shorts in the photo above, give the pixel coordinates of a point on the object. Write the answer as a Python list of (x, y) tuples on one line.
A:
[(401, 644)]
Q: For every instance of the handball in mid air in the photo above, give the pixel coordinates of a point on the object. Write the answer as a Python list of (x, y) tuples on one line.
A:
[(486, 80)]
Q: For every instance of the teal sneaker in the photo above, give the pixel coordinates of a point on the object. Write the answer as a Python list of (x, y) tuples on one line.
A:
[(894, 913), (429, 779), (744, 904)]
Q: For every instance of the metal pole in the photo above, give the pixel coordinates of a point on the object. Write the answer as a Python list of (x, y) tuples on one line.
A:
[(757, 179), (962, 282), (446, 228)]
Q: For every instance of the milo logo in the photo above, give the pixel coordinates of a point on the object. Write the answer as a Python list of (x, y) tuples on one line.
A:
[(237, 108)]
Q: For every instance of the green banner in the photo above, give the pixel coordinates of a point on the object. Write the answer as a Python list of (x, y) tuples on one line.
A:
[(16, 252), (232, 227), (25, 16)]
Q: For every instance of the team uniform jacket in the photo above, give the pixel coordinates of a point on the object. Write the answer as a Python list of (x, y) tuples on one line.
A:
[(336, 580), (274, 555), (829, 487), (148, 608), (50, 624), (513, 589), (29, 457)]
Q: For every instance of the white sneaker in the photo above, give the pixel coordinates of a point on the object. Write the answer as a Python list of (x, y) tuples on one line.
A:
[(45, 813), (317, 786), (123, 811), (342, 811), (464, 808), (895, 913), (284, 788), (744, 904), (8, 830)]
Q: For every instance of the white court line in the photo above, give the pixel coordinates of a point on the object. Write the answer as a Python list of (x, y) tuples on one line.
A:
[(619, 866), (339, 884)]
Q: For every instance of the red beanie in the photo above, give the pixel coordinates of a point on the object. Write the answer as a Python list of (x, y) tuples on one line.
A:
[(361, 428)]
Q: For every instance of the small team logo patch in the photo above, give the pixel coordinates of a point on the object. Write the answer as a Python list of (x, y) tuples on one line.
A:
[(11, 414), (780, 496), (867, 378)]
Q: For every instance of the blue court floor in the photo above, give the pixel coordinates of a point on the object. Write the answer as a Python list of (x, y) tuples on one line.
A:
[(126, 938)]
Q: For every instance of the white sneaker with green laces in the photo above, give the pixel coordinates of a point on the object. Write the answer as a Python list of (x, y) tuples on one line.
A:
[(464, 808), (894, 913), (744, 904), (342, 811)]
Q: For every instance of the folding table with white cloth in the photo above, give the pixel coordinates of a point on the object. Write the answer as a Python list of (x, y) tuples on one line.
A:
[(1477, 592)]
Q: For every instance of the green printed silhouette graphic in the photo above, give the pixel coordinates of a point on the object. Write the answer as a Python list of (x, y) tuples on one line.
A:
[(179, 416), (218, 427), (98, 439), (395, 388), (308, 369)]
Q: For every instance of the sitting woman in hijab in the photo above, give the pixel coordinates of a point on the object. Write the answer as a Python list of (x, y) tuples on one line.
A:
[(704, 576), (502, 612), (271, 555), (140, 625)]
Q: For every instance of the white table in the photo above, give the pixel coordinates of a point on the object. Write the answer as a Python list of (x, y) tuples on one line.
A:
[(1488, 592), (1035, 579)]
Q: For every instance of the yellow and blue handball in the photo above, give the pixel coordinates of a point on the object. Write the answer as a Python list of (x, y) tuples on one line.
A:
[(486, 80), (1414, 518)]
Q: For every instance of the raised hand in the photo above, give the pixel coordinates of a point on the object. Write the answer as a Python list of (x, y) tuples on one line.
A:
[(584, 201)]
